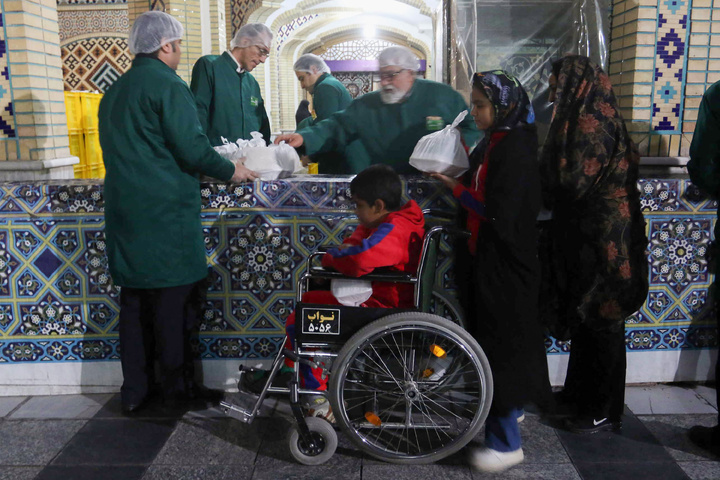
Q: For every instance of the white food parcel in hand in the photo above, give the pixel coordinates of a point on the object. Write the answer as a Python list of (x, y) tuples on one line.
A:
[(442, 152)]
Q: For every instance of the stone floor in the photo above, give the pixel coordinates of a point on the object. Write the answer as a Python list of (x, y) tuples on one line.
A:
[(78, 437)]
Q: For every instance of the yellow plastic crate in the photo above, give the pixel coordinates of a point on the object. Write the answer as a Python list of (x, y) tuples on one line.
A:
[(90, 106), (93, 152), (82, 114), (81, 171), (96, 171), (77, 146), (73, 109)]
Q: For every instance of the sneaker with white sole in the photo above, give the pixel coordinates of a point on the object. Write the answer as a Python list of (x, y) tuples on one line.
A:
[(585, 424), (491, 461), (320, 407)]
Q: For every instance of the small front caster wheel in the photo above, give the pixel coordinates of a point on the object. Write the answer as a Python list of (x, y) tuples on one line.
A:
[(325, 442)]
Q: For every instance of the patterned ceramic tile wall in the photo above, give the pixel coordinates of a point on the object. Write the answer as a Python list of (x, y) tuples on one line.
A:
[(286, 30), (664, 55), (7, 120), (238, 12), (57, 301), (90, 2), (74, 23), (670, 59), (94, 63), (357, 83), (32, 40)]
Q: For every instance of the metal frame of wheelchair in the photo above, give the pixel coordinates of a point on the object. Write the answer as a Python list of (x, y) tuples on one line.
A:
[(406, 386)]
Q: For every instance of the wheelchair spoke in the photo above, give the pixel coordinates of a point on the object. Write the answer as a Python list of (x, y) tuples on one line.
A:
[(413, 391)]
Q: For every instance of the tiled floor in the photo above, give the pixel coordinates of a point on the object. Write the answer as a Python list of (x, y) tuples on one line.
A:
[(78, 437)]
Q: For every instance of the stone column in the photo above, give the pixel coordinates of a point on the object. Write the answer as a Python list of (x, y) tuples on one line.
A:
[(34, 141), (663, 56), (218, 24)]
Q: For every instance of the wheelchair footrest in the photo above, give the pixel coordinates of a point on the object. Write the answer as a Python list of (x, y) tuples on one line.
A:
[(240, 407)]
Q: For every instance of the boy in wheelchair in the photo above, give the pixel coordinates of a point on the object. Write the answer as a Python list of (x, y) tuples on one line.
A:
[(389, 236)]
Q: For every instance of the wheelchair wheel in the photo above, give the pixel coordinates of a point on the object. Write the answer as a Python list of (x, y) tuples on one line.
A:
[(325, 437), (444, 306), (411, 388)]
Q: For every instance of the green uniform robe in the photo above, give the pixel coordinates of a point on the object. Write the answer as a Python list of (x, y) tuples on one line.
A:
[(389, 132), (154, 150), (330, 96), (229, 103), (704, 164)]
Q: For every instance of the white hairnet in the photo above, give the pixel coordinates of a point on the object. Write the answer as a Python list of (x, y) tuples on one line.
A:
[(307, 61), (401, 57), (252, 34), (152, 30)]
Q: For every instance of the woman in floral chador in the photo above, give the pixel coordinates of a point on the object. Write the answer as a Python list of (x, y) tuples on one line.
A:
[(594, 262)]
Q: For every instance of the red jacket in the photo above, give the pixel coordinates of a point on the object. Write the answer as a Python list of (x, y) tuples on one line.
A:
[(396, 244)]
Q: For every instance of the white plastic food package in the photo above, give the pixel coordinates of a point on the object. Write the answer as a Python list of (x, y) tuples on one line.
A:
[(442, 151), (270, 161), (229, 150), (351, 293)]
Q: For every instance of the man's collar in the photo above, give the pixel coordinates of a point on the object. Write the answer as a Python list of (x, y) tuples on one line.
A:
[(239, 68)]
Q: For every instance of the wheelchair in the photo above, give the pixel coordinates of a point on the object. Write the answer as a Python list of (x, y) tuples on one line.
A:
[(407, 386)]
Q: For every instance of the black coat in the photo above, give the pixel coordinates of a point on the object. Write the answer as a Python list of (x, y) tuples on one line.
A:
[(505, 275)]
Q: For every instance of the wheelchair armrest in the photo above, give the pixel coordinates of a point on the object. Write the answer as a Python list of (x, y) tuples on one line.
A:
[(319, 272), (456, 232), (443, 214)]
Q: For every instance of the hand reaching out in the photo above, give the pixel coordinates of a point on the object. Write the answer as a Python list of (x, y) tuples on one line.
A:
[(293, 139), (449, 182)]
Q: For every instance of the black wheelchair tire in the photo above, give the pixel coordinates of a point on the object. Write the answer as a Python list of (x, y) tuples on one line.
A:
[(388, 325)]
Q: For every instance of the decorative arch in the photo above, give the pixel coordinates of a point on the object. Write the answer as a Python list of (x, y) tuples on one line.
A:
[(303, 41)]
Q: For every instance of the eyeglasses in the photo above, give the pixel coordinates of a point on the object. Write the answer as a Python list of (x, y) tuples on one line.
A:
[(390, 75), (263, 52)]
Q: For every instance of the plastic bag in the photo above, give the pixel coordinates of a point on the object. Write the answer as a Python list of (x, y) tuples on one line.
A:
[(351, 293), (229, 150), (270, 161), (442, 151)]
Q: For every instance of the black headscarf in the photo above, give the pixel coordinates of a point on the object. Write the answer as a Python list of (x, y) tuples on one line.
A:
[(512, 105)]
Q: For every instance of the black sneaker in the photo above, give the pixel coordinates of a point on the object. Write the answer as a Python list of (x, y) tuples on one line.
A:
[(583, 424)]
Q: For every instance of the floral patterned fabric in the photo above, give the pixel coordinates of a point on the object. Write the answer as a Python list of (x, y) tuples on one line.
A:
[(593, 254)]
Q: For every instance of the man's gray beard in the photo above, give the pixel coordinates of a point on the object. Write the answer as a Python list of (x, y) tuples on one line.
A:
[(392, 95)]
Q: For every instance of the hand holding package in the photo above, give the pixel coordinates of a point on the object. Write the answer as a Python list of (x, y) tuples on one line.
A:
[(442, 151)]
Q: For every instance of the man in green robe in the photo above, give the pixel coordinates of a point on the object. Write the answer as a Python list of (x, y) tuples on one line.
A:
[(228, 98), (329, 96), (704, 170), (154, 151), (390, 122)]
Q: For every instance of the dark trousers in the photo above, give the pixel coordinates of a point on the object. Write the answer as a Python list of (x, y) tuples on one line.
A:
[(717, 361), (156, 323), (595, 379)]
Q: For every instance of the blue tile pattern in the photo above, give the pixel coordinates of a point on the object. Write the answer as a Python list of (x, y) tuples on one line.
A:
[(7, 118), (670, 60), (58, 303)]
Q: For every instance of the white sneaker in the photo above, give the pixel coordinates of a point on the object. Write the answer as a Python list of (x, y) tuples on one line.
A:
[(521, 418), (320, 407), (491, 461)]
